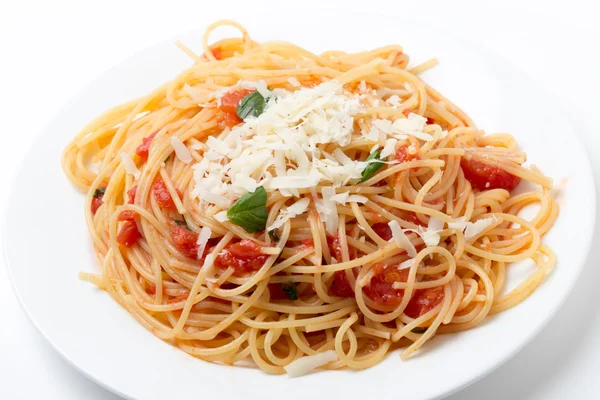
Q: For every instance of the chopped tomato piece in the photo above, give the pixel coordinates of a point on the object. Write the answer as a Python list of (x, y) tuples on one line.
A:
[(243, 256), (131, 194), (96, 203), (483, 176), (335, 248), (228, 107), (144, 148), (233, 98), (424, 300), (340, 286), (128, 234), (412, 217), (217, 53), (403, 155), (185, 241), (163, 196), (127, 215), (430, 121), (380, 183), (383, 230), (381, 289)]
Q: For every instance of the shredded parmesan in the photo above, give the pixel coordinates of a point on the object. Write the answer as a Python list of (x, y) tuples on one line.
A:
[(401, 240), (292, 211), (181, 151), (307, 364), (221, 216), (130, 166), (203, 237), (471, 229)]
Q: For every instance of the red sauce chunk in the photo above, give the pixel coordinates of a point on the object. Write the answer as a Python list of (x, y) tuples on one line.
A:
[(96, 203), (216, 52), (128, 234), (483, 176), (127, 215), (381, 289), (228, 107), (243, 256), (276, 291), (144, 148), (131, 194), (340, 286), (162, 195), (383, 230), (402, 154), (185, 241), (424, 300)]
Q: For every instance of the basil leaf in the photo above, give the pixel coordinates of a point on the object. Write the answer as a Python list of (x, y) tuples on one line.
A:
[(290, 290), (99, 192), (373, 167), (250, 211), (273, 235), (419, 330), (251, 106)]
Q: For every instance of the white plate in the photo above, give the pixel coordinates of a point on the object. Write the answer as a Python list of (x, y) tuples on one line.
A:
[(47, 244)]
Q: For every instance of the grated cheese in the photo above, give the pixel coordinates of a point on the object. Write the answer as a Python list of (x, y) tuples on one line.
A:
[(181, 151), (307, 364), (401, 240), (471, 229), (221, 216), (130, 166), (203, 237), (292, 211)]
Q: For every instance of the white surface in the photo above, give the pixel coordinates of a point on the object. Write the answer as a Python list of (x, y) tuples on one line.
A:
[(53, 296), (54, 52)]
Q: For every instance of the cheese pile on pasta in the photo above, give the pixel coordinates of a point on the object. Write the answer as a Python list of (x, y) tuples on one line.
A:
[(280, 209)]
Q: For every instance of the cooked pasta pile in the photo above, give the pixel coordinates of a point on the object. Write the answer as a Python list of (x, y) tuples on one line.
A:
[(275, 208)]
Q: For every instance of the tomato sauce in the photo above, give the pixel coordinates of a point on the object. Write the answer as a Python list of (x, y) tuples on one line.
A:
[(128, 234), (127, 215), (185, 241), (402, 154), (383, 230), (381, 291), (131, 194), (483, 176), (243, 256), (144, 149), (228, 108), (96, 203), (340, 286), (163, 196)]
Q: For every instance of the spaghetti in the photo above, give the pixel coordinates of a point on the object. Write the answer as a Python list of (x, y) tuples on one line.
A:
[(294, 211)]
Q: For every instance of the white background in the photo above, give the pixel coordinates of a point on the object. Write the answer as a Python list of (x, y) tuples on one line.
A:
[(50, 49)]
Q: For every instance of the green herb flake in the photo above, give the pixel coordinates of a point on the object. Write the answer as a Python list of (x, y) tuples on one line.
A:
[(250, 211), (290, 290), (99, 192), (179, 222), (251, 106), (373, 167), (419, 330)]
